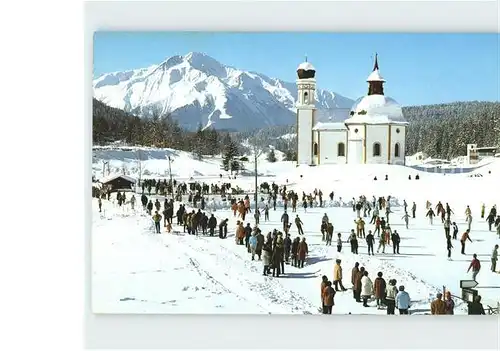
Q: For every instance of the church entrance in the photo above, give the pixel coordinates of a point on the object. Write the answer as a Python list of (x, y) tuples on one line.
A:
[(355, 152)]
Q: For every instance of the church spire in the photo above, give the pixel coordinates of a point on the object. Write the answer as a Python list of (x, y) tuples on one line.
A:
[(375, 80)]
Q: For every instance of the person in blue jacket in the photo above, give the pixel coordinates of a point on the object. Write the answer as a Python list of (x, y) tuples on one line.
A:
[(402, 300), (252, 242)]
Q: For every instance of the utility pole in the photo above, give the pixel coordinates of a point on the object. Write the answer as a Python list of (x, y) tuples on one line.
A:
[(170, 173), (256, 187)]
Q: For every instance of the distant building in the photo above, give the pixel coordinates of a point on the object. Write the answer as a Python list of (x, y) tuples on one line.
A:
[(476, 154), (373, 132), (417, 158), (118, 182)]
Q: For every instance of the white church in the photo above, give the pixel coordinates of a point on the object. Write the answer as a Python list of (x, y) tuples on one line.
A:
[(374, 133)]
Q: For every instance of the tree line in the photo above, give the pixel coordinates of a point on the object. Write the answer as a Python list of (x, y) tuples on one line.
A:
[(441, 131)]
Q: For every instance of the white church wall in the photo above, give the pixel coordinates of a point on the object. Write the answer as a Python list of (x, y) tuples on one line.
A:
[(305, 136), (356, 135), (398, 138), (329, 141), (377, 134)]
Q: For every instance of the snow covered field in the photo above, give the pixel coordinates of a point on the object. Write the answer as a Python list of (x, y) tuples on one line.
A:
[(137, 271)]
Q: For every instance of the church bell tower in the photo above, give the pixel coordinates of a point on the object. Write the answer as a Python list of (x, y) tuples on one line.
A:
[(306, 91)]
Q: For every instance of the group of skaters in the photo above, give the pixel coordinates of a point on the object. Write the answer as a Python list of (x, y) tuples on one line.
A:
[(386, 294)]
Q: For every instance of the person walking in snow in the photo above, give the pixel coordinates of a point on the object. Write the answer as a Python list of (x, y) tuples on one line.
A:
[(483, 210), (358, 285), (354, 242), (295, 251), (266, 213), (494, 259), (287, 245), (132, 202), (455, 230), (438, 306), (475, 265), (339, 242), (396, 239), (256, 215), (370, 241), (406, 218), (447, 227), (360, 227), (157, 221), (381, 244), (490, 219), (252, 242), (475, 307), (366, 288), (299, 224), (149, 207), (354, 273), (450, 304), (430, 214), (465, 237), (285, 220), (303, 250), (337, 276), (328, 298), (403, 301), (449, 246), (390, 296), (329, 234), (413, 209), (469, 222), (324, 280), (267, 250), (99, 203), (379, 287)]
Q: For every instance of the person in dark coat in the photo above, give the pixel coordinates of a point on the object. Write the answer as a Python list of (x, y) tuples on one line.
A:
[(223, 229), (260, 244), (354, 272), (396, 239), (277, 257), (370, 240), (248, 234), (287, 244), (379, 286), (295, 251), (475, 307), (212, 224), (354, 242)]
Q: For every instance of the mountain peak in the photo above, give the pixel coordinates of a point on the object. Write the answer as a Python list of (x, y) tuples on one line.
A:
[(196, 88)]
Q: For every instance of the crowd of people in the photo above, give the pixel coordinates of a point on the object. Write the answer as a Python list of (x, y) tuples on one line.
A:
[(276, 248)]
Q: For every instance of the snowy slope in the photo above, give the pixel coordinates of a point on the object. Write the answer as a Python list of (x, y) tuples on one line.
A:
[(196, 89), (135, 271)]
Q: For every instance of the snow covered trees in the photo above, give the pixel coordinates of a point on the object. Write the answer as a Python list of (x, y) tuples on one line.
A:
[(230, 160)]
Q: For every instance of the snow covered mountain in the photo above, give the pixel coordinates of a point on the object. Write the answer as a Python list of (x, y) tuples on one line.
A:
[(197, 89)]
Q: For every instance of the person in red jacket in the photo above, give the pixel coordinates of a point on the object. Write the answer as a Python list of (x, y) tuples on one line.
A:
[(475, 265)]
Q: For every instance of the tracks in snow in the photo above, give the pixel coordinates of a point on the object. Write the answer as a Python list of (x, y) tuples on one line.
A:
[(235, 274)]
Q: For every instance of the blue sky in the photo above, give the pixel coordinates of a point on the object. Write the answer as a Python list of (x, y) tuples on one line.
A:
[(419, 68)]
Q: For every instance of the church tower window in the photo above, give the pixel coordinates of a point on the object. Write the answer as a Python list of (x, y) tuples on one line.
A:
[(376, 149), (315, 149), (306, 98), (396, 150), (341, 150)]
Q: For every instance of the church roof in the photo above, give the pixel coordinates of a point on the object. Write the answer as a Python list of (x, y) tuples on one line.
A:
[(330, 126), (306, 66), (375, 77), (376, 109)]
